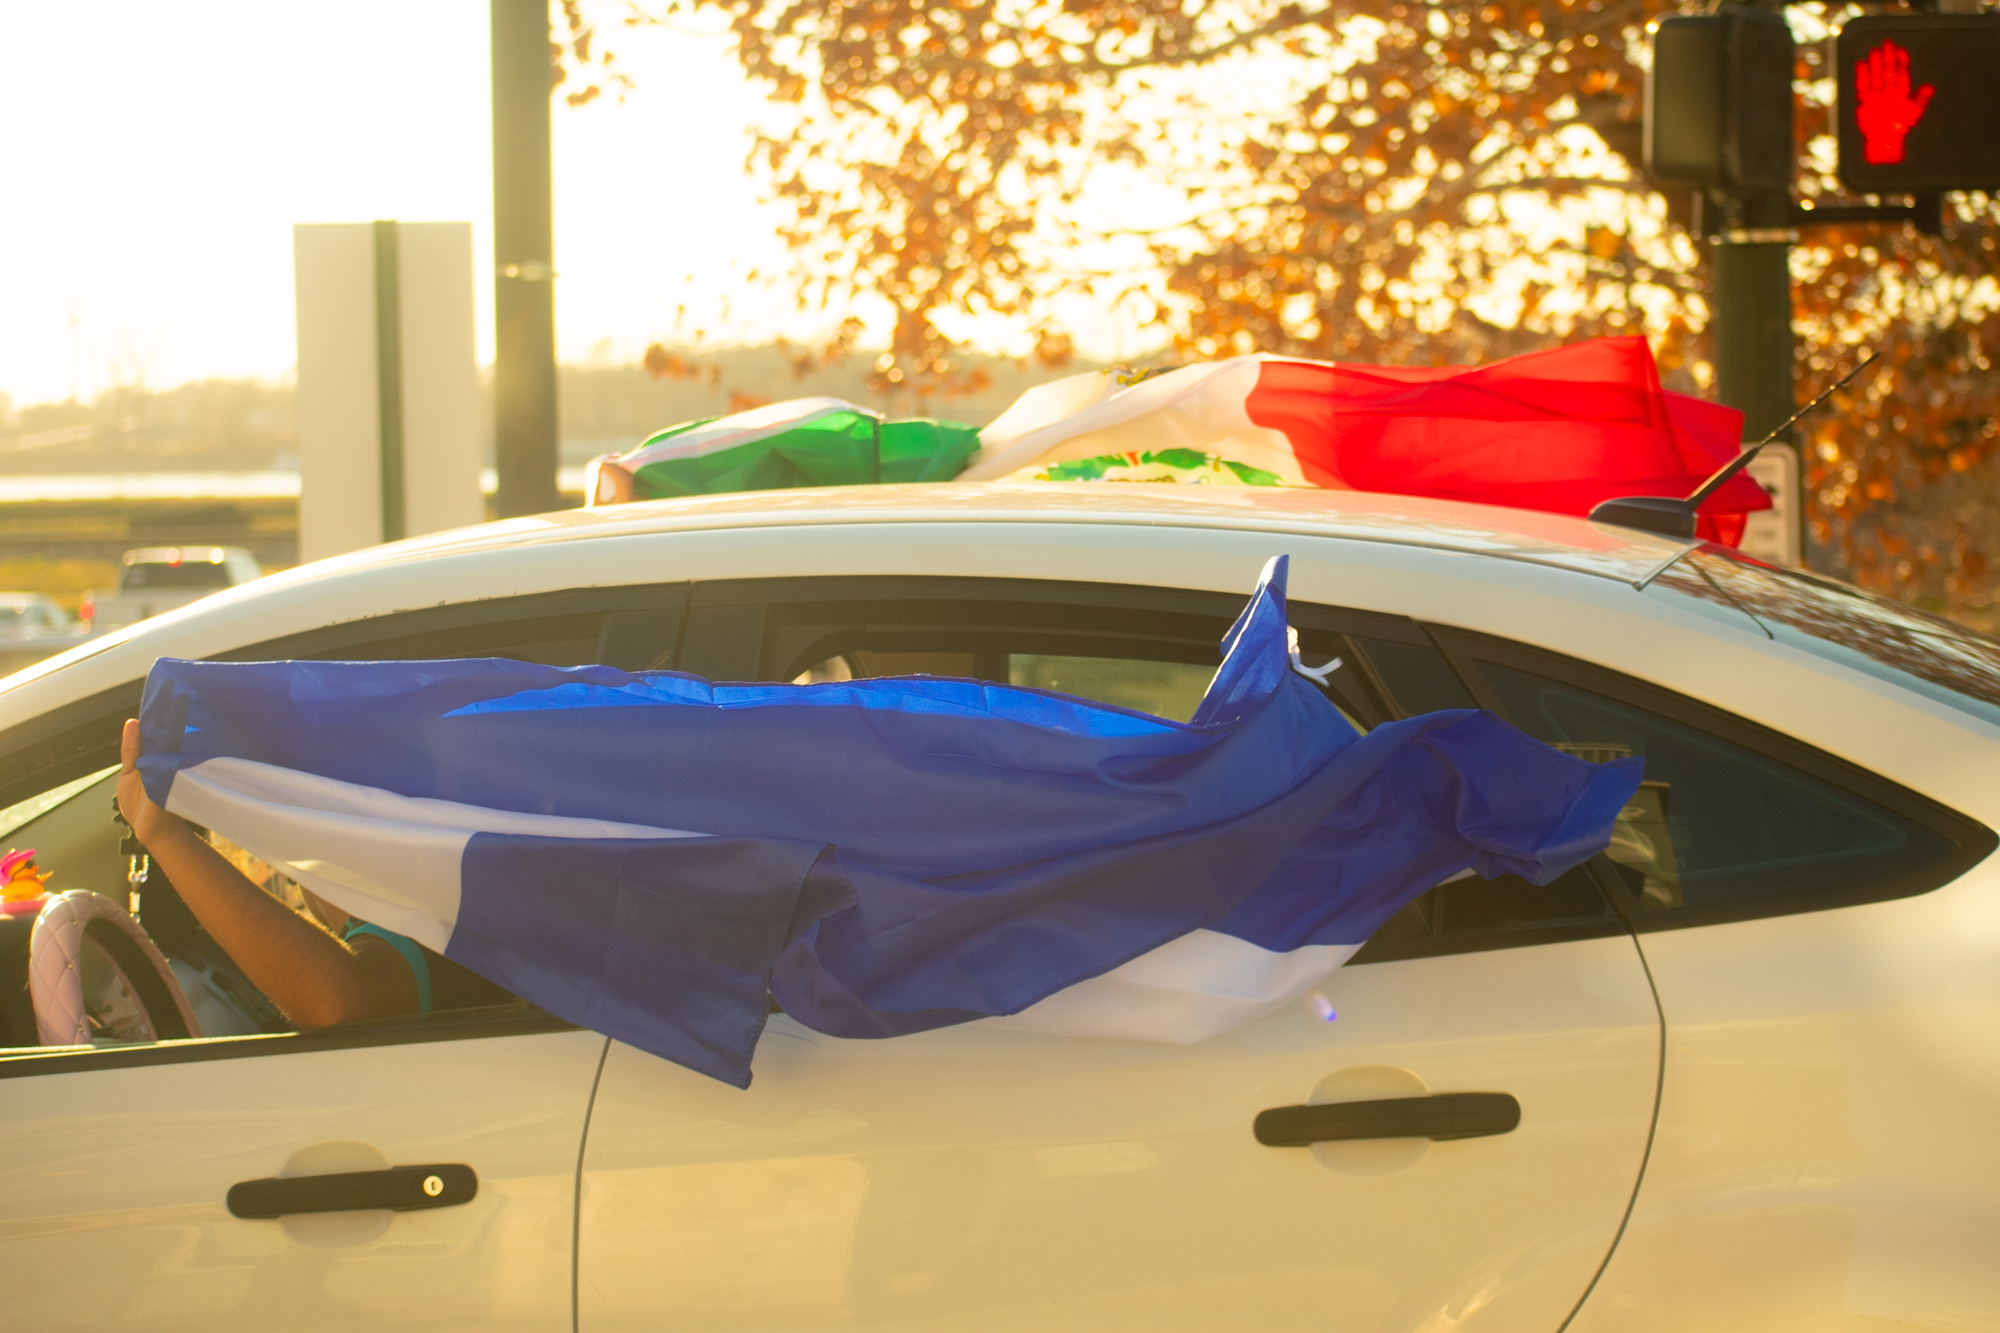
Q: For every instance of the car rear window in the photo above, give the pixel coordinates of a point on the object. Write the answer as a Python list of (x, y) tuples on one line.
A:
[(187, 574), (1715, 823), (1935, 658)]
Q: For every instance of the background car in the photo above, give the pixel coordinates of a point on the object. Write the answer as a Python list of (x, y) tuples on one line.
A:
[(157, 579), (31, 628), (1755, 1046)]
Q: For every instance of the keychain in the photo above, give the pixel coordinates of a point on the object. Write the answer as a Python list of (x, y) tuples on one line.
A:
[(138, 862)]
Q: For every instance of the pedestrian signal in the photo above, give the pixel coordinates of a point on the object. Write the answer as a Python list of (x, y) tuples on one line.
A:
[(1719, 101), (1918, 102)]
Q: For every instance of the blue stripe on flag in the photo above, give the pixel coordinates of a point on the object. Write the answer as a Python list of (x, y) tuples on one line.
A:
[(666, 944)]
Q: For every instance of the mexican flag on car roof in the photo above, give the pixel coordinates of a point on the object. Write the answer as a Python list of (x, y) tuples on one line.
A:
[(1557, 431)]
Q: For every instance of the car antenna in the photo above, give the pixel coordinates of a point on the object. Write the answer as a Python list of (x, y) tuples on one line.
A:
[(1676, 518)]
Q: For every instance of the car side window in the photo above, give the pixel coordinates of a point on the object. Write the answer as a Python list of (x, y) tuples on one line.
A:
[(56, 777), (1053, 647), (1149, 649), (1416, 675), (1727, 822)]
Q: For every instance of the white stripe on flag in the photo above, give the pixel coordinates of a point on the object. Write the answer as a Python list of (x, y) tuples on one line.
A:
[(1199, 986), (1204, 408), (390, 859), (741, 428)]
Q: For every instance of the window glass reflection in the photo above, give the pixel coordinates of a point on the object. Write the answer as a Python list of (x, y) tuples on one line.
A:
[(1892, 642), (1713, 822)]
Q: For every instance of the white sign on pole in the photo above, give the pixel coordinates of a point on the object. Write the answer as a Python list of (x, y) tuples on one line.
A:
[(389, 439), (1776, 534)]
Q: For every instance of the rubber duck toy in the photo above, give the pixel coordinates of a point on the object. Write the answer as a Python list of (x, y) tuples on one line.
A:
[(23, 886)]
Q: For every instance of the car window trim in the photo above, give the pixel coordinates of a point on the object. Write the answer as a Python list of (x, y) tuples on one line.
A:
[(463, 615), (26, 1062), (57, 743), (1974, 841), (61, 731), (1614, 922)]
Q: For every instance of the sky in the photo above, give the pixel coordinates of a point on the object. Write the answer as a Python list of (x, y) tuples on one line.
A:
[(154, 158)]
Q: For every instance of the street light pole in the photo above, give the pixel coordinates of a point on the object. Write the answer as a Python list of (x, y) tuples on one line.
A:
[(524, 308)]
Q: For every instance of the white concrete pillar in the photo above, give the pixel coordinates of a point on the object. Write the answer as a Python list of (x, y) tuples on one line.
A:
[(388, 383)]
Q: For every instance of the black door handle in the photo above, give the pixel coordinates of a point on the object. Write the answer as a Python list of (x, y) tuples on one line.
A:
[(401, 1188), (1449, 1115)]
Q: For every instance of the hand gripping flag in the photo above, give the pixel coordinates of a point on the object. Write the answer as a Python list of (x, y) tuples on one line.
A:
[(650, 854)]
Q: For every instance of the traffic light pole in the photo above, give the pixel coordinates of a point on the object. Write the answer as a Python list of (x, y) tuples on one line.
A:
[(1753, 312), (524, 304), (1917, 102), (1753, 294)]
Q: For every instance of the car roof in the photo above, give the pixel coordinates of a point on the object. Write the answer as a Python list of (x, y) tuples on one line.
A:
[(1576, 544)]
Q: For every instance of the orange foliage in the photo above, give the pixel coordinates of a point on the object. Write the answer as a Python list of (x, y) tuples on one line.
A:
[(664, 364), (1375, 180)]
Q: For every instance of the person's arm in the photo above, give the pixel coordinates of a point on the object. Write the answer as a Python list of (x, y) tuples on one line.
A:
[(318, 980)]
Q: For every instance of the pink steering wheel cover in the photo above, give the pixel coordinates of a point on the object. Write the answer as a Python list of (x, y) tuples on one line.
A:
[(55, 978)]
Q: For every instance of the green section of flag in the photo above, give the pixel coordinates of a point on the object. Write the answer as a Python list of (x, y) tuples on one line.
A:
[(838, 449), (1189, 466), (925, 450)]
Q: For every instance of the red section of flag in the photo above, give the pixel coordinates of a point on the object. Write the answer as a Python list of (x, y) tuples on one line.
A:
[(1557, 431), (1885, 110)]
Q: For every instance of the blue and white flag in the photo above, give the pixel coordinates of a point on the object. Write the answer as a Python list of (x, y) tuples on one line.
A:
[(650, 854)]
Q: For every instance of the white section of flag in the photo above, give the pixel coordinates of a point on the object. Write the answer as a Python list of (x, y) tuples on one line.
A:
[(390, 859), (1199, 986), (741, 428), (1202, 407)]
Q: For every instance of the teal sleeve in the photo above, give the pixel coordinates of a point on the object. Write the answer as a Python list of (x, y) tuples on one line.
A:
[(420, 967)]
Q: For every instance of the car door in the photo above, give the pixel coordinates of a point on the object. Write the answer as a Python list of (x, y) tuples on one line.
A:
[(1824, 946), (117, 1162), (116, 1166), (978, 1177)]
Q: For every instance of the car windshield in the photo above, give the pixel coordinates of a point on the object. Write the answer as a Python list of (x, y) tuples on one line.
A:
[(187, 574), (1936, 658)]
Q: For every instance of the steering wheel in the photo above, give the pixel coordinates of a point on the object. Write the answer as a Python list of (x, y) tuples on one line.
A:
[(93, 973)]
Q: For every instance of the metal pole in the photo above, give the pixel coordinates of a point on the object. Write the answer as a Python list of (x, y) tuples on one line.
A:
[(524, 307), (389, 378), (1753, 313), (1753, 299)]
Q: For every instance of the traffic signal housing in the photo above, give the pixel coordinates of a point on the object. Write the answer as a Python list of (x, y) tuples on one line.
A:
[(1917, 102), (1719, 101)]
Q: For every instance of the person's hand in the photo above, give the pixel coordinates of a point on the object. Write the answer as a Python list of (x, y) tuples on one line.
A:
[(1886, 109), (148, 821)]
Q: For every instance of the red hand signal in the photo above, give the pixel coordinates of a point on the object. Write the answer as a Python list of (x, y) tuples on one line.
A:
[(1884, 110)]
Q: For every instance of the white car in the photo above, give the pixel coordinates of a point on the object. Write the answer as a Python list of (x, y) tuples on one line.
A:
[(31, 628), (1755, 1049)]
